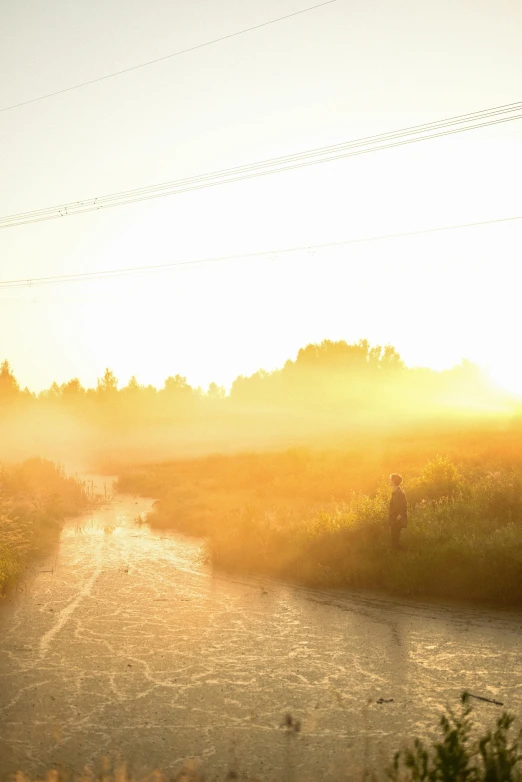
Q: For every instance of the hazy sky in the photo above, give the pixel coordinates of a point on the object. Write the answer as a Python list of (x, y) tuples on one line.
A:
[(348, 69)]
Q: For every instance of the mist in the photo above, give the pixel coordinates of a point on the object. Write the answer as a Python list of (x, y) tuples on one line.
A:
[(332, 394)]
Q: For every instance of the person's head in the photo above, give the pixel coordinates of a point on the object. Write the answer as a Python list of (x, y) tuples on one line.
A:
[(395, 480)]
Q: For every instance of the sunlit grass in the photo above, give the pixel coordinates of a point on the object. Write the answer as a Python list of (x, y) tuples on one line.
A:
[(320, 518), (35, 497)]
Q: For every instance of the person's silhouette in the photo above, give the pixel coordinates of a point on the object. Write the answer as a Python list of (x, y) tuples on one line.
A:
[(398, 512)]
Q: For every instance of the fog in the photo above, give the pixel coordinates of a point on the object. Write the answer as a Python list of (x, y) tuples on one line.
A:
[(332, 395)]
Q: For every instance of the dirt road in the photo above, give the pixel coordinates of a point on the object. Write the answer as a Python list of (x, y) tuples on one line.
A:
[(132, 647)]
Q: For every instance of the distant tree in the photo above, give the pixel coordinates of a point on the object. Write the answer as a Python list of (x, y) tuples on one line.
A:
[(176, 385), (339, 355), (374, 355), (133, 387), (468, 371), (177, 398), (9, 388), (391, 359), (216, 392), (52, 394), (108, 384), (238, 390), (72, 390), (255, 389)]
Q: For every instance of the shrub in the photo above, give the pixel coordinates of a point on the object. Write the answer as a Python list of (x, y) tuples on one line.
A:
[(35, 497), (458, 758), (439, 478)]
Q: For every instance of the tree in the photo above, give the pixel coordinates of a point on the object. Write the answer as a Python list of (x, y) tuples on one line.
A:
[(216, 392), (177, 385), (132, 388), (391, 359), (9, 387), (73, 389), (108, 384), (53, 393)]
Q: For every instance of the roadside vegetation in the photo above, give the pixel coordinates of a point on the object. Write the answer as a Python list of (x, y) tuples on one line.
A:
[(320, 518), (495, 756), (35, 497)]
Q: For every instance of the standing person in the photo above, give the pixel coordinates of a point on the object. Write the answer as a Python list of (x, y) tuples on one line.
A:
[(398, 513)]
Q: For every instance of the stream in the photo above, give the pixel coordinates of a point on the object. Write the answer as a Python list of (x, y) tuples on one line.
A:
[(126, 644)]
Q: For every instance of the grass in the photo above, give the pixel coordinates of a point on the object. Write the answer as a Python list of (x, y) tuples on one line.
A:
[(320, 518), (35, 497)]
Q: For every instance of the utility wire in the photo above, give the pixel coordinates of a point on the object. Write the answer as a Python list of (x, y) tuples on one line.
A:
[(166, 57), (110, 273), (414, 134), (367, 140)]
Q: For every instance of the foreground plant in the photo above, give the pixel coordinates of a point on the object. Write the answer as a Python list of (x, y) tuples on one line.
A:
[(459, 758)]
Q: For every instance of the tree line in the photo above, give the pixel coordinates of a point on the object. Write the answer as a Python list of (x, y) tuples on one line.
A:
[(331, 378)]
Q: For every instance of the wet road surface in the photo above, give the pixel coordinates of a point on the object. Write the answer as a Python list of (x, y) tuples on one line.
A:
[(131, 647)]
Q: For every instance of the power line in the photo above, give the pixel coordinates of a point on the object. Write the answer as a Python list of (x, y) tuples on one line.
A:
[(110, 273), (166, 57), (367, 140), (413, 134)]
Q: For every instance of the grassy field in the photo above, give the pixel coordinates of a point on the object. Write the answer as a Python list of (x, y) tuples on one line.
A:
[(320, 518), (35, 497)]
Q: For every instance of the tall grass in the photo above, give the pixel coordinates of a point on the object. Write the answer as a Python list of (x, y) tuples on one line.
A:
[(321, 518), (35, 497), (464, 540)]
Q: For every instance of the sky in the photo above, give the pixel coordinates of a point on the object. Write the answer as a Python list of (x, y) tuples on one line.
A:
[(339, 72)]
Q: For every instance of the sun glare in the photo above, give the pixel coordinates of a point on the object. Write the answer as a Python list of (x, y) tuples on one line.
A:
[(508, 377)]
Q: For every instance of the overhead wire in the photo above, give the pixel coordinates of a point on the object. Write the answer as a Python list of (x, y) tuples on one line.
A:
[(111, 273), (360, 146), (438, 124), (165, 57)]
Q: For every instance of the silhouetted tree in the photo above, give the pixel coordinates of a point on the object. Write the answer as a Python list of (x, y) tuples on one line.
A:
[(391, 359), (9, 388), (72, 390), (216, 392), (107, 385), (176, 385), (133, 388)]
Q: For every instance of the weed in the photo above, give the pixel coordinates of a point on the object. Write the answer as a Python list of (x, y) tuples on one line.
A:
[(457, 757), (35, 497)]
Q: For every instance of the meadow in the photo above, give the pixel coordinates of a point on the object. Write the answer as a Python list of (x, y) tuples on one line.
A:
[(297, 487), (319, 517), (35, 497)]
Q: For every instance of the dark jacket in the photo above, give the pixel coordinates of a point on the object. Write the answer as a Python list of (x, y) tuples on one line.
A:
[(398, 507)]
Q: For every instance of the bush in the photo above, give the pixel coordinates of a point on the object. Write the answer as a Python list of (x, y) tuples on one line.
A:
[(458, 758), (35, 497), (438, 478)]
